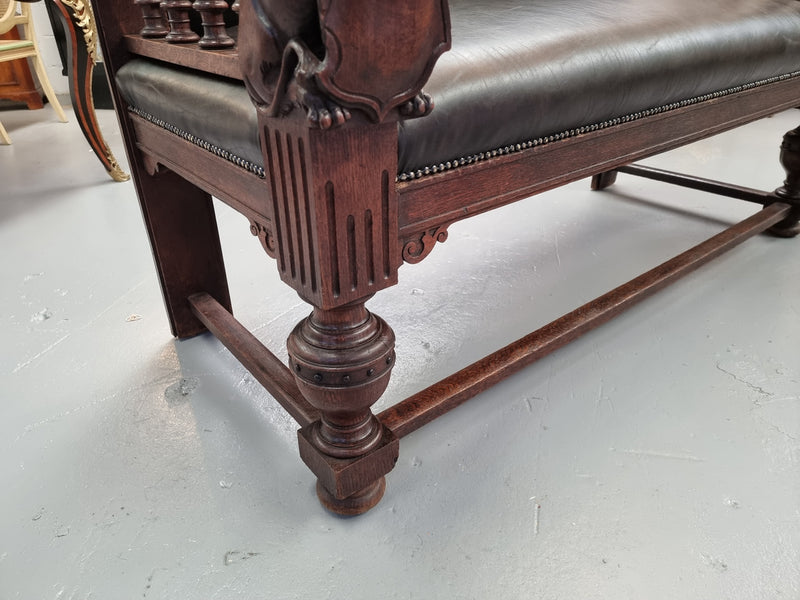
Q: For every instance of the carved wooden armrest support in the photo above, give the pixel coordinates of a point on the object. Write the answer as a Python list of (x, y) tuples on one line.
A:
[(333, 56)]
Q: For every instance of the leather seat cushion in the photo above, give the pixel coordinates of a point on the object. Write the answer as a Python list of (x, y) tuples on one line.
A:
[(201, 107), (522, 69)]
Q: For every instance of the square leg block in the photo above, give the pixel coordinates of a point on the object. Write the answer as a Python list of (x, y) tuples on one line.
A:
[(344, 477)]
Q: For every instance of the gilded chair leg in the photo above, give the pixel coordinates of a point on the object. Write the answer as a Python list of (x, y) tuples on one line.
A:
[(790, 191), (77, 18), (341, 360)]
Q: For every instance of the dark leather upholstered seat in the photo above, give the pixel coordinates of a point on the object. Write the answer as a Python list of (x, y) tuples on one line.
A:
[(520, 71)]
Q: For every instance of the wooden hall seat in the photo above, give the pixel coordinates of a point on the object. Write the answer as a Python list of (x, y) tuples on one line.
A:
[(311, 120)]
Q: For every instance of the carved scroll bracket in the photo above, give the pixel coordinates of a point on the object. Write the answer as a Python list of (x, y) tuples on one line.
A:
[(263, 231), (151, 165), (417, 248)]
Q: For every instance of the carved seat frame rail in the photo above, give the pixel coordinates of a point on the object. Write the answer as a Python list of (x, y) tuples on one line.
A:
[(339, 222)]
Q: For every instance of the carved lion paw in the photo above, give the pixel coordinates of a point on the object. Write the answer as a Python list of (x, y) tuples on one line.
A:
[(324, 113), (419, 105)]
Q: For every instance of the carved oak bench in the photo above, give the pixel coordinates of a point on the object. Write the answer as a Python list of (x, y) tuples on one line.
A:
[(309, 118)]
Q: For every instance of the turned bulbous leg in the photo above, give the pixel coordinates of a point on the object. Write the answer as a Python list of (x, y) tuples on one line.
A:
[(790, 191), (342, 360)]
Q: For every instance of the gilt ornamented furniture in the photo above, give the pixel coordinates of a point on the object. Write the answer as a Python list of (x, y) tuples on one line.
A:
[(309, 117), (82, 54)]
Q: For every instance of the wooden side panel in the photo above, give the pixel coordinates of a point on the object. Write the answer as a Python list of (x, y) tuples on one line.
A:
[(178, 215)]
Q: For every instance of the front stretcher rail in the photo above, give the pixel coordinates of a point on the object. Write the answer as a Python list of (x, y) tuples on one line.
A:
[(423, 407)]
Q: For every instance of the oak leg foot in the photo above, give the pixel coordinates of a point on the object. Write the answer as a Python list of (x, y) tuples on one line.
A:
[(603, 180), (790, 191), (788, 228), (357, 504)]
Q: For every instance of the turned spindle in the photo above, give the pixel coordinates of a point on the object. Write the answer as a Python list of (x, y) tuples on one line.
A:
[(154, 26), (180, 32), (214, 35)]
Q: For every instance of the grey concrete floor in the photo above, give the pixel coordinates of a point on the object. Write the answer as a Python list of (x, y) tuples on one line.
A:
[(656, 457)]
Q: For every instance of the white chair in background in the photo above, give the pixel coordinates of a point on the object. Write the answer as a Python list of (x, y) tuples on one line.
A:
[(14, 13)]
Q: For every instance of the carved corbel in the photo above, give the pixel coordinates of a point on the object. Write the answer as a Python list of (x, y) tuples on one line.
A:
[(151, 165), (263, 231), (417, 248)]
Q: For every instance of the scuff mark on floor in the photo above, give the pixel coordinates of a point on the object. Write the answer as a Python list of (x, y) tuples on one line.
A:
[(656, 454), (32, 276), (41, 316), (558, 254), (37, 356), (756, 388), (62, 531), (289, 310), (715, 563), (603, 398), (180, 390), (234, 556), (149, 581), (49, 348)]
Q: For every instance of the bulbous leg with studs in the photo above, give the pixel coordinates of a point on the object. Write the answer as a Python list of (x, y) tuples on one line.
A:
[(342, 360), (790, 191)]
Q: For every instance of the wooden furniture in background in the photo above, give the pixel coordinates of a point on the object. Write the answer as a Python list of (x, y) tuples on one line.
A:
[(79, 25), (12, 15), (16, 80)]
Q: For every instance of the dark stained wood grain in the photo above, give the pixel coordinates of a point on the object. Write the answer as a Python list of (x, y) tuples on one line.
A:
[(244, 191), (180, 31), (421, 408), (700, 183), (334, 207), (215, 36), (154, 24), (472, 189), (224, 62)]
